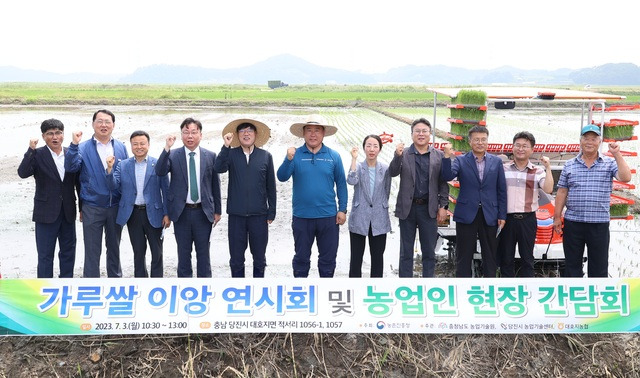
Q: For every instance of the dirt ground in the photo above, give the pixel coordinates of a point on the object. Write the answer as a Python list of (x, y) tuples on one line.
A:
[(322, 355)]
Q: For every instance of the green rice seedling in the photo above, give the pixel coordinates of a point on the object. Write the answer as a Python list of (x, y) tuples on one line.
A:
[(467, 113), (454, 191), (452, 206), (616, 132), (471, 97), (460, 145), (619, 210), (461, 128)]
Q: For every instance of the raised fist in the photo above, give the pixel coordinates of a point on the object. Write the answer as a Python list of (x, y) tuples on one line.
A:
[(291, 151), (614, 148), (171, 139), (110, 161), (228, 138), (446, 148), (545, 161), (399, 149), (77, 137), (33, 143), (354, 152)]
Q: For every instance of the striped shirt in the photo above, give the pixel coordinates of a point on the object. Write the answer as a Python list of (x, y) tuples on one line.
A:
[(141, 171), (480, 163), (522, 187), (589, 195)]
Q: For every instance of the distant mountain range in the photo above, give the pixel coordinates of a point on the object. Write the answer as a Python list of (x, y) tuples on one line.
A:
[(293, 70)]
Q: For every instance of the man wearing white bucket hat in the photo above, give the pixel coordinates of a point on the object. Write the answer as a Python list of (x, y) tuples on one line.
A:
[(251, 198), (317, 175)]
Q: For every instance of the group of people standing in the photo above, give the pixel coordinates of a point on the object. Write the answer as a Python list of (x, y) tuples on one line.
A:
[(182, 187)]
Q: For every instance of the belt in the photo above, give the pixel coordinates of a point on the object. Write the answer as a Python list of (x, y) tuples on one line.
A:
[(139, 207), (420, 201), (520, 215), (193, 205)]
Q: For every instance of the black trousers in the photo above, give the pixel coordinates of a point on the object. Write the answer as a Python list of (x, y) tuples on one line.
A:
[(466, 237), (595, 236), (377, 245), (520, 229), (141, 232)]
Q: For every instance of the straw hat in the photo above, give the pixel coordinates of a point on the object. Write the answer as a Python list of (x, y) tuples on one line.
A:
[(263, 132), (297, 129)]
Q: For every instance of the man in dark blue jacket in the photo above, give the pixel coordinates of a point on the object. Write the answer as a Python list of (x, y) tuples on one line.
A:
[(251, 198), (54, 204), (99, 204), (481, 206)]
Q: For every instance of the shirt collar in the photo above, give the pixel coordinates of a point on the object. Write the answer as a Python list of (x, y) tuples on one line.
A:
[(306, 149), (512, 163), (477, 159), (196, 150), (414, 150), (54, 154), (98, 142), (580, 159)]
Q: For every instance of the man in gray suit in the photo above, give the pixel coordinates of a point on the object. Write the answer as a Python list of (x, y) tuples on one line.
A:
[(423, 196)]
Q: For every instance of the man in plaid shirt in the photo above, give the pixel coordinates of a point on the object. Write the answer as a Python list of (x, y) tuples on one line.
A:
[(585, 188), (523, 181)]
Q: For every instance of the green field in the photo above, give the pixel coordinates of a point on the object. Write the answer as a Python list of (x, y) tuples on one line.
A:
[(240, 95)]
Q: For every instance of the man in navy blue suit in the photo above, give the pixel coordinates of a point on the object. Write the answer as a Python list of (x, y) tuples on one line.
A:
[(54, 203), (481, 206), (143, 203), (194, 200)]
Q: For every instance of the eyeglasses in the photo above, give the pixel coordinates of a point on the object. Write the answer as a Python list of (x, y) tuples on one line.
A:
[(53, 133), (521, 146), (479, 140), (192, 133), (421, 131), (103, 122), (246, 131)]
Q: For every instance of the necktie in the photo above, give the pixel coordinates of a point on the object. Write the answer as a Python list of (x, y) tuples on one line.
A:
[(193, 180)]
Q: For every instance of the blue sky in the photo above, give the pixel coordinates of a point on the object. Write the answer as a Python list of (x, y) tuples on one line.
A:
[(117, 37)]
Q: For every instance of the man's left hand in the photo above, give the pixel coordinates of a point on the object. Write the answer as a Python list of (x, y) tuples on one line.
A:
[(341, 218), (614, 148)]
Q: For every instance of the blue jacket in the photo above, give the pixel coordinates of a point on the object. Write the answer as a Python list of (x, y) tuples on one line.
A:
[(123, 178), (314, 177), (175, 162), (491, 193), (84, 158), (252, 186)]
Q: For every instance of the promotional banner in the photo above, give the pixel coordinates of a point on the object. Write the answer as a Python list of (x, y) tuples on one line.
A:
[(340, 305)]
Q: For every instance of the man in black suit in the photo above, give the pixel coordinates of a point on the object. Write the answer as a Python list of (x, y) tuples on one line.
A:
[(54, 204), (194, 200)]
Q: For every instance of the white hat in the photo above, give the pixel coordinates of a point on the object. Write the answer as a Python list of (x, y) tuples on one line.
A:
[(297, 129)]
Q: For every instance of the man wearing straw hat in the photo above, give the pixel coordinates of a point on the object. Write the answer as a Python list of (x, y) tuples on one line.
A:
[(317, 175), (251, 196)]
